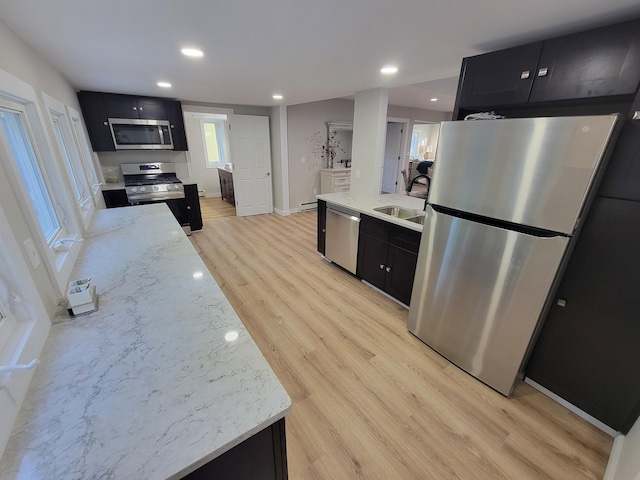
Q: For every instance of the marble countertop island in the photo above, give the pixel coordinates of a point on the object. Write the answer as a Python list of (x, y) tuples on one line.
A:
[(153, 384)]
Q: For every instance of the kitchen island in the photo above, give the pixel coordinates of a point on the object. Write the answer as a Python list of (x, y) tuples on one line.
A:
[(162, 379)]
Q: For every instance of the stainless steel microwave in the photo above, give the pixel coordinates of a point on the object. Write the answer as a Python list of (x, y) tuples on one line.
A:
[(138, 134)]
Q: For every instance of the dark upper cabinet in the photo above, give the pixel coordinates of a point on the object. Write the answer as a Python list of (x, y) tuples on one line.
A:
[(128, 106), (173, 109), (603, 62), (499, 78), (588, 351), (98, 107), (94, 111)]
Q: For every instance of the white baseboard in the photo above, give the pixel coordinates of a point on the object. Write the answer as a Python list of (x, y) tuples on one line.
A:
[(283, 213), (614, 458), (571, 407)]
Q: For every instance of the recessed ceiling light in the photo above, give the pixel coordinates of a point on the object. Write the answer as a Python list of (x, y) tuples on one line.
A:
[(389, 70), (192, 52), (277, 96), (434, 99), (164, 84)]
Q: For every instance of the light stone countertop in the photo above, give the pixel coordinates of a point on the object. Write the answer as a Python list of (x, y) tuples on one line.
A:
[(112, 186), (146, 387), (366, 204)]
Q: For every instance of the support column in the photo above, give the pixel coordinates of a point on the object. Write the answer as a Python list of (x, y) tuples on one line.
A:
[(369, 134)]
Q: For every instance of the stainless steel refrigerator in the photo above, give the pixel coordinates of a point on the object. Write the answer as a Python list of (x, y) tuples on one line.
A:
[(506, 200)]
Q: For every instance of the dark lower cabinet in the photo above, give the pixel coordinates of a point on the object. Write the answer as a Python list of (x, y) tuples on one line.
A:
[(588, 351), (260, 457), (194, 214), (322, 225), (387, 257), (186, 210), (115, 198), (226, 186)]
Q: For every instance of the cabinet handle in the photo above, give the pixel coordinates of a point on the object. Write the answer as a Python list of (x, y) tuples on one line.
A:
[(543, 72), (388, 269), (525, 74), (106, 123), (135, 108), (561, 302), (188, 208), (381, 267)]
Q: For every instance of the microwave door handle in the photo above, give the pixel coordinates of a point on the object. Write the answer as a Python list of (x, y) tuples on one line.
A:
[(162, 142)]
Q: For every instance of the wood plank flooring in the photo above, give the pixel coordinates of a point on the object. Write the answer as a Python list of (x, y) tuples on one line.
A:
[(215, 207), (370, 401)]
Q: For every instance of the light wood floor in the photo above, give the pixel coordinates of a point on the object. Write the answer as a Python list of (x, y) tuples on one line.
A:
[(371, 401), (215, 207)]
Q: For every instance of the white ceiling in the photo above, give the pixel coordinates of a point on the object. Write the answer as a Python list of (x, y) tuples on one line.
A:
[(308, 50)]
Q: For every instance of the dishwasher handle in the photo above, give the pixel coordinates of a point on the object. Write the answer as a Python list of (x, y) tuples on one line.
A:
[(345, 215)]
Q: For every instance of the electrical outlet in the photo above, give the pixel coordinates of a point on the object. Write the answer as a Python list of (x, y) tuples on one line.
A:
[(315, 191), (357, 173), (32, 253)]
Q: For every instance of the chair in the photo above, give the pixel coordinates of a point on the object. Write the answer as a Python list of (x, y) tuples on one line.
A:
[(416, 183)]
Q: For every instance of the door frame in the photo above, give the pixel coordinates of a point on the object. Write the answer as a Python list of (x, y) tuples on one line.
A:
[(404, 151)]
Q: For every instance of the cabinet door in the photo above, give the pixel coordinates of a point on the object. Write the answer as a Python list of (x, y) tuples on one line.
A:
[(622, 177), (499, 78), (178, 134), (596, 63), (120, 106), (95, 116), (115, 198), (322, 225), (372, 260), (588, 351), (151, 108), (193, 206), (401, 271)]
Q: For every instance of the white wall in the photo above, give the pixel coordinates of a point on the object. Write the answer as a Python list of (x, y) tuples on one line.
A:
[(625, 464), (306, 134), (23, 62), (369, 137), (279, 160)]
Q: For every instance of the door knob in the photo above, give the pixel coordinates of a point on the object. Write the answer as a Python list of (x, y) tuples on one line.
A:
[(268, 173)]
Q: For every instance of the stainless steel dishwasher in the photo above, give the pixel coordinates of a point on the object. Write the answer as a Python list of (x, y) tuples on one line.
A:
[(341, 241)]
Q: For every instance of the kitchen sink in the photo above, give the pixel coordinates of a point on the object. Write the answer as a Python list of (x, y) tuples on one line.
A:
[(417, 219), (397, 211)]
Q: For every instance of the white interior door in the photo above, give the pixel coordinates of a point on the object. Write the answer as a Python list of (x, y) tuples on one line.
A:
[(251, 158), (391, 157)]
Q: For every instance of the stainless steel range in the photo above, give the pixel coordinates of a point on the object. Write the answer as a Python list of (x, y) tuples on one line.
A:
[(151, 182)]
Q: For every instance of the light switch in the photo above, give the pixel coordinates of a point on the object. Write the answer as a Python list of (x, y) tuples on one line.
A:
[(357, 173), (304, 159), (32, 253)]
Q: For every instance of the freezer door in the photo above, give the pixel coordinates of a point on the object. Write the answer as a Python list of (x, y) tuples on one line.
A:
[(531, 171), (478, 294)]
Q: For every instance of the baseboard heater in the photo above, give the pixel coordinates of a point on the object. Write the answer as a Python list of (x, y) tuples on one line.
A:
[(308, 206)]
